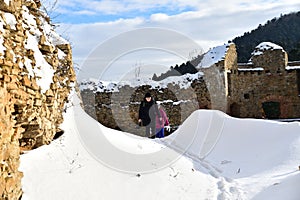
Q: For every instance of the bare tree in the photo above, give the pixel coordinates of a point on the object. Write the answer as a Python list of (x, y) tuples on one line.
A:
[(193, 54), (137, 70), (49, 7)]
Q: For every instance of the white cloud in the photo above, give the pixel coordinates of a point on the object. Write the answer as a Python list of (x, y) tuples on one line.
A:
[(210, 6), (211, 23)]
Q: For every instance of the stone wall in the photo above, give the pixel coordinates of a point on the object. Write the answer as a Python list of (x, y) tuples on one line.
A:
[(240, 90), (10, 177), (266, 79), (36, 74), (119, 109)]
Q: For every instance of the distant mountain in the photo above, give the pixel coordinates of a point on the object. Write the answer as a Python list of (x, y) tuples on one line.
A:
[(284, 31)]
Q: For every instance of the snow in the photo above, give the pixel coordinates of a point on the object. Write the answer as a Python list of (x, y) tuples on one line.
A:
[(210, 156), (259, 49), (292, 67), (61, 54), (213, 56), (282, 190), (30, 19), (95, 85), (251, 69), (7, 2), (43, 71), (11, 20), (54, 38)]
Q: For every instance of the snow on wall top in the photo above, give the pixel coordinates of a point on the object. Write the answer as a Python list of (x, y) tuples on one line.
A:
[(7, 2), (264, 46), (54, 38), (105, 86), (42, 71), (213, 56), (292, 67), (11, 20)]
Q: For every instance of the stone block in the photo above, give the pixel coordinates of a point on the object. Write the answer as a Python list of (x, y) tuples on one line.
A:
[(46, 48), (50, 93), (18, 39), (31, 134), (12, 86), (38, 102), (53, 86), (42, 39), (34, 85), (6, 78), (20, 102), (30, 53), (14, 78), (31, 91), (66, 48)]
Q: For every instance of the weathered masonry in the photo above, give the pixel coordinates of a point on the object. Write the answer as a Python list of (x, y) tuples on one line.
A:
[(36, 76), (268, 86)]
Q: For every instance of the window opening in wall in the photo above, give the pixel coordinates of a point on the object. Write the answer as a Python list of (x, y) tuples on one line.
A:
[(246, 96), (278, 70)]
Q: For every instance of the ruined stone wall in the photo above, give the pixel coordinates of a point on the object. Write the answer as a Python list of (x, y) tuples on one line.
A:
[(10, 177), (35, 80), (237, 89), (273, 61), (119, 109), (250, 89)]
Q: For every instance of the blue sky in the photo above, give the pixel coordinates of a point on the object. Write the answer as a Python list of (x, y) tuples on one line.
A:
[(91, 11), (77, 15), (89, 23)]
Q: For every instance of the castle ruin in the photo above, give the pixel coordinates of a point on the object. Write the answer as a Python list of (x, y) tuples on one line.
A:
[(268, 86)]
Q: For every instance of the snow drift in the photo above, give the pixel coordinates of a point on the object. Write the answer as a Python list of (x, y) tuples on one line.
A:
[(215, 157)]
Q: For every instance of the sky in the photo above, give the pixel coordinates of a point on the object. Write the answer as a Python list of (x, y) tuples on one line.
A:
[(87, 24)]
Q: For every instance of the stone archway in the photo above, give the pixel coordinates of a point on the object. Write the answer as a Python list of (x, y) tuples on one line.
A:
[(274, 107), (271, 109)]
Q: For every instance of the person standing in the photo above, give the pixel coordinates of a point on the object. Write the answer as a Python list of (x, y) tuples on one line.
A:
[(160, 124), (147, 115)]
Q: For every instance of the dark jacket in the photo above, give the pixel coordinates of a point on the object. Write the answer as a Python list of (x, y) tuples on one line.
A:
[(148, 112)]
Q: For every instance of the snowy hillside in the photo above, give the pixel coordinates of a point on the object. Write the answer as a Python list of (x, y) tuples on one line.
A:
[(224, 158)]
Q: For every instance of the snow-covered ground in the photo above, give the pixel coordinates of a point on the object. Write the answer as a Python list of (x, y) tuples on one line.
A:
[(211, 156)]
